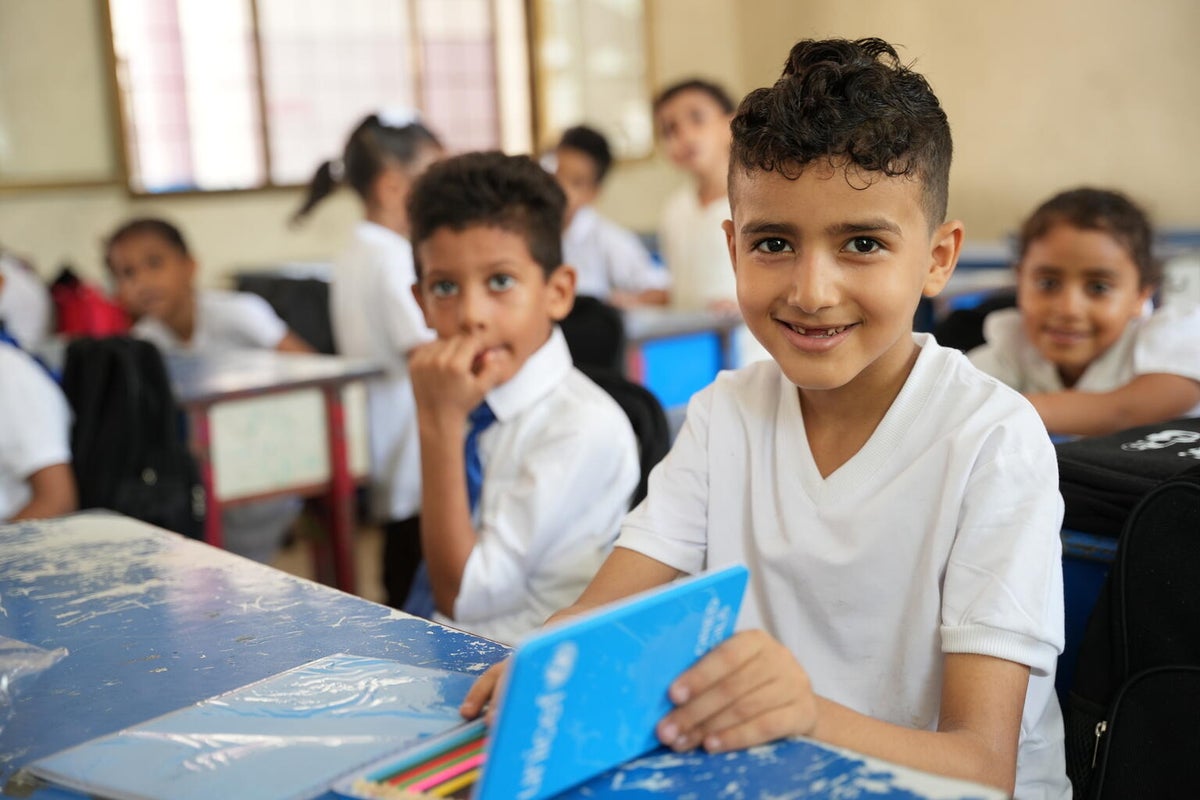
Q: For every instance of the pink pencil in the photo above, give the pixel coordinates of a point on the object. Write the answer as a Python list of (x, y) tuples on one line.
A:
[(446, 774)]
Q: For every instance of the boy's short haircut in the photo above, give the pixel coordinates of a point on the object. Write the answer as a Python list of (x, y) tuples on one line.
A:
[(141, 225), (853, 102), (709, 88), (1104, 210), (592, 144), (491, 189)]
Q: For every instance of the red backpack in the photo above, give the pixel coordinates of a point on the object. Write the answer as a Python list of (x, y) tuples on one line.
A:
[(83, 309)]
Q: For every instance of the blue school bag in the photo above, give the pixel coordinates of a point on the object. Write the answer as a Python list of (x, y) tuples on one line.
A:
[(127, 445)]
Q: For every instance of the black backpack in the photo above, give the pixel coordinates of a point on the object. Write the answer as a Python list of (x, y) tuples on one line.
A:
[(646, 417), (127, 443), (1133, 711), (1102, 478)]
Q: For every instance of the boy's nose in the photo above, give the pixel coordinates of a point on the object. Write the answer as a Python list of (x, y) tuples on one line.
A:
[(1070, 302), (813, 285), (472, 312)]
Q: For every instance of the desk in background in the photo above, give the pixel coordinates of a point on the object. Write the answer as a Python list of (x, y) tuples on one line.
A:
[(155, 622), (266, 424)]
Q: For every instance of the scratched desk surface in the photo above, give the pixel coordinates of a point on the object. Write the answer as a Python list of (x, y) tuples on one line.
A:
[(154, 622)]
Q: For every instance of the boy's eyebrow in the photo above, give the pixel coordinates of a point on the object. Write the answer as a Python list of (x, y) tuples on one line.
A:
[(873, 225), (763, 226)]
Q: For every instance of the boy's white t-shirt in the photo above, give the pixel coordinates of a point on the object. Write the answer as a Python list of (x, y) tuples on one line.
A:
[(560, 465), (224, 321), (374, 315), (694, 249), (607, 257), (1165, 341), (35, 427), (940, 535)]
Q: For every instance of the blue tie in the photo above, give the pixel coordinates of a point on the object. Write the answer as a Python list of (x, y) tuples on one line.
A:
[(420, 596)]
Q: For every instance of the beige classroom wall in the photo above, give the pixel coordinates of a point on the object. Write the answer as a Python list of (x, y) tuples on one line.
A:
[(1040, 95)]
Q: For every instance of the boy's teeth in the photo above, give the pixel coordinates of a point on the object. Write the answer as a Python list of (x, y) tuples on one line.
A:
[(818, 332)]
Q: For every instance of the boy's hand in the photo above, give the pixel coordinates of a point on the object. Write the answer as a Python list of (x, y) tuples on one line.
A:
[(483, 693), (452, 376), (749, 690)]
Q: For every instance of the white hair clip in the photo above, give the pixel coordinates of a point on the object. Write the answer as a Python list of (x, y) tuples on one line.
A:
[(337, 169), (400, 117)]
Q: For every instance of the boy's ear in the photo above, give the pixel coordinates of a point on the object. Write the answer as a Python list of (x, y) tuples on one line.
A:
[(419, 296), (560, 284), (727, 226), (946, 244)]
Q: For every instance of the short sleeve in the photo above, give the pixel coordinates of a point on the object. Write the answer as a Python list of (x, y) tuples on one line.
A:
[(1169, 342), (35, 421), (404, 320), (671, 524), (1003, 590)]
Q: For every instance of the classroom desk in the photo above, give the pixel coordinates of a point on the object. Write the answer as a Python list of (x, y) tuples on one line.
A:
[(155, 622), (266, 424), (676, 353)]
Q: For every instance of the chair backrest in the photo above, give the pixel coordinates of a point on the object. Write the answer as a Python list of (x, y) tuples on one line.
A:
[(303, 303), (962, 328), (645, 414), (595, 334)]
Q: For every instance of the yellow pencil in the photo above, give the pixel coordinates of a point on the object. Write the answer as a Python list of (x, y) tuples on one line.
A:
[(456, 783)]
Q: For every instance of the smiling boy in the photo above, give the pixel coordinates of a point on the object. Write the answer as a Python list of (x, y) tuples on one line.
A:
[(512, 537), (898, 509)]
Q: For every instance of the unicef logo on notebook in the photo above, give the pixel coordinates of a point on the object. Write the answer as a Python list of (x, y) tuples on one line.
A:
[(562, 664), (713, 627), (1161, 439)]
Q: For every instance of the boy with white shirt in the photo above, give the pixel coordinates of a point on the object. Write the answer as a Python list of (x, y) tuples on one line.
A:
[(527, 467), (898, 509), (610, 262)]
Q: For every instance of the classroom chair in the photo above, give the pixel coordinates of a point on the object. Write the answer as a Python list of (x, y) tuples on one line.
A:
[(645, 414), (595, 334)]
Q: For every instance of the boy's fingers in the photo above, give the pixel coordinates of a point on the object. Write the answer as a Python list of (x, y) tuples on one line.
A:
[(731, 697), (482, 691), (771, 724), (725, 658)]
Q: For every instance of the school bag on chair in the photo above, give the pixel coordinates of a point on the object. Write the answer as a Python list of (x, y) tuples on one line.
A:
[(646, 417), (127, 444), (1133, 712)]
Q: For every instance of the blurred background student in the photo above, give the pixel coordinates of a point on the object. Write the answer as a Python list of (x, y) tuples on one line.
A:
[(610, 261), (375, 315), (154, 275)]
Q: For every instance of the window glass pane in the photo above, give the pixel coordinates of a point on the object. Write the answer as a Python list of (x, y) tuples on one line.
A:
[(327, 64), (458, 71), (189, 91)]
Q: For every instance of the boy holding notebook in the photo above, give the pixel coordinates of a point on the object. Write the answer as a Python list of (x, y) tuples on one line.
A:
[(897, 508), (527, 467)]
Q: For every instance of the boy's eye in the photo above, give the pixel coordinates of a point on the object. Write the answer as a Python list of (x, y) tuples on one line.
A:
[(863, 245), (1099, 288), (773, 246), (1046, 284), (501, 283), (443, 288)]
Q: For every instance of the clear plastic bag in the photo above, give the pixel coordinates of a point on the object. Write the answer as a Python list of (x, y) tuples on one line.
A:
[(20, 663)]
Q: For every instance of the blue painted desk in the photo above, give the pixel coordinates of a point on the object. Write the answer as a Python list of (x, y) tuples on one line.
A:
[(155, 622)]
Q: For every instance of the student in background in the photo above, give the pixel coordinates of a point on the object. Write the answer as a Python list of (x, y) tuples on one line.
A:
[(25, 308), (898, 510), (154, 276), (375, 316), (1082, 344), (527, 467), (692, 118), (35, 438), (610, 262)]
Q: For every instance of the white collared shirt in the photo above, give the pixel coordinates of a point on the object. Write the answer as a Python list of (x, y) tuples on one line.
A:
[(1165, 341), (607, 257), (941, 534), (374, 315), (224, 321), (559, 467), (35, 425)]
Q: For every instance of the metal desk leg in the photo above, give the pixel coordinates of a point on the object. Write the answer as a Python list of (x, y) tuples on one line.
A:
[(341, 491), (202, 450)]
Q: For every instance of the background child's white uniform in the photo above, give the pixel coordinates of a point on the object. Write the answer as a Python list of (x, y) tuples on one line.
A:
[(940, 535), (559, 467), (24, 305), (694, 249), (224, 321), (375, 316), (1166, 341), (607, 257), (35, 427), (228, 321)]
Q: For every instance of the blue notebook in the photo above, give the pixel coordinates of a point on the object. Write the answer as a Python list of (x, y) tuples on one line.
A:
[(579, 698)]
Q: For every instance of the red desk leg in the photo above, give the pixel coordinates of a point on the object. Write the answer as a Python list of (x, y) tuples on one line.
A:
[(202, 450), (341, 492)]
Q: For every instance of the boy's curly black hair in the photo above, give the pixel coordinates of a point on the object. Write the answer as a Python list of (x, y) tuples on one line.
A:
[(848, 100), (491, 189), (1104, 210)]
